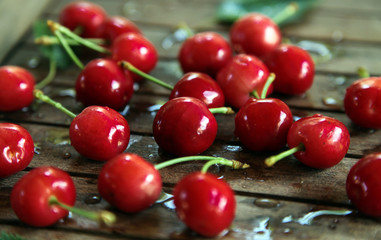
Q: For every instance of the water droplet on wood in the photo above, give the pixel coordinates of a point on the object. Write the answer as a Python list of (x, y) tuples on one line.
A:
[(266, 203), (93, 199)]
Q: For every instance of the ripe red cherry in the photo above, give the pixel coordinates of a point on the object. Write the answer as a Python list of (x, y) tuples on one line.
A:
[(184, 126), (135, 49), (129, 182), (114, 26), (30, 196), (204, 203), (17, 149), (200, 86), (205, 52), (240, 77), (86, 15), (16, 91), (294, 69), (99, 133), (263, 124), (255, 34), (362, 102), (103, 82), (363, 184)]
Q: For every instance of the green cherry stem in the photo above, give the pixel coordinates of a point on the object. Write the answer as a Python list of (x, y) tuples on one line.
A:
[(49, 78), (363, 72), (270, 161), (270, 79), (222, 110), (286, 13), (41, 96), (103, 216), (52, 40), (68, 49), (223, 161)]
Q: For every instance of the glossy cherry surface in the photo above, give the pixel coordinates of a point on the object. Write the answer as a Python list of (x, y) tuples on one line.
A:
[(114, 26), (363, 184), (263, 124), (240, 77), (99, 133), (16, 91), (137, 50), (129, 182), (16, 147), (31, 194), (294, 69), (200, 86), (205, 52), (204, 203), (326, 140), (184, 126), (362, 102), (103, 82), (255, 34), (85, 15)]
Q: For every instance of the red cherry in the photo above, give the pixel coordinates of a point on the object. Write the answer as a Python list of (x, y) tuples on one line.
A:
[(103, 82), (204, 203), (30, 197), (362, 102), (255, 34), (16, 91), (200, 86), (294, 69), (114, 26), (205, 52), (17, 148), (99, 133), (86, 15), (240, 77), (263, 124), (129, 182), (364, 184), (184, 126), (137, 50)]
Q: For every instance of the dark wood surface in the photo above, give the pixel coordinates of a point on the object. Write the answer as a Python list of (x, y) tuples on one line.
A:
[(272, 202)]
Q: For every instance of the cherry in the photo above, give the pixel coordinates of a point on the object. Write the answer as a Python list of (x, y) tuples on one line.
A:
[(363, 184), (137, 50), (204, 203), (317, 141), (205, 52), (17, 148), (114, 26), (84, 15), (242, 75), (17, 85), (362, 102), (103, 82), (99, 133), (294, 68)]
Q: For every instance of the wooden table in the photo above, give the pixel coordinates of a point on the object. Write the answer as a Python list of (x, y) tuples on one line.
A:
[(272, 202)]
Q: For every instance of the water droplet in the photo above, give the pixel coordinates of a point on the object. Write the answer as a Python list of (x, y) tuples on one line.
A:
[(287, 219), (34, 62), (232, 148), (67, 92), (319, 51), (170, 205), (134, 139), (154, 108), (164, 197), (67, 155), (287, 231), (58, 137), (309, 217), (329, 101), (266, 203), (131, 10), (340, 80), (93, 199), (263, 228), (337, 36)]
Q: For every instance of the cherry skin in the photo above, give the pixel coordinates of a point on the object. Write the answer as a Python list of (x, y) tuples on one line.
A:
[(30, 196), (294, 69), (103, 82), (255, 34), (86, 15), (137, 50), (263, 124), (204, 203), (114, 26), (129, 182), (363, 184), (205, 52), (184, 126), (17, 85), (362, 102), (99, 133), (17, 148), (240, 77), (200, 86)]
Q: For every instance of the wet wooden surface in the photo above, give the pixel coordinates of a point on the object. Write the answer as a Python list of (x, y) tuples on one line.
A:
[(272, 203)]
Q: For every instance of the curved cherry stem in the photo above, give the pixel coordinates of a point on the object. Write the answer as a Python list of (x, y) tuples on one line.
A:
[(49, 78), (286, 13), (41, 96), (270, 161), (103, 216), (47, 40), (363, 72), (222, 110), (223, 161), (265, 89)]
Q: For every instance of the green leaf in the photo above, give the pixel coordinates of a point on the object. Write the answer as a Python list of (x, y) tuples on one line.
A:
[(9, 236)]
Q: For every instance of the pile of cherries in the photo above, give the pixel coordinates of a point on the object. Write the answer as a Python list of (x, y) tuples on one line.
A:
[(240, 74)]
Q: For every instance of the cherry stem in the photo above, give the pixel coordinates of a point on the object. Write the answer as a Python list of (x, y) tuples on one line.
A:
[(68, 49), (269, 81), (130, 67), (53, 40), (363, 72), (270, 161), (223, 161), (286, 13), (49, 78), (103, 216), (222, 110), (41, 96)]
